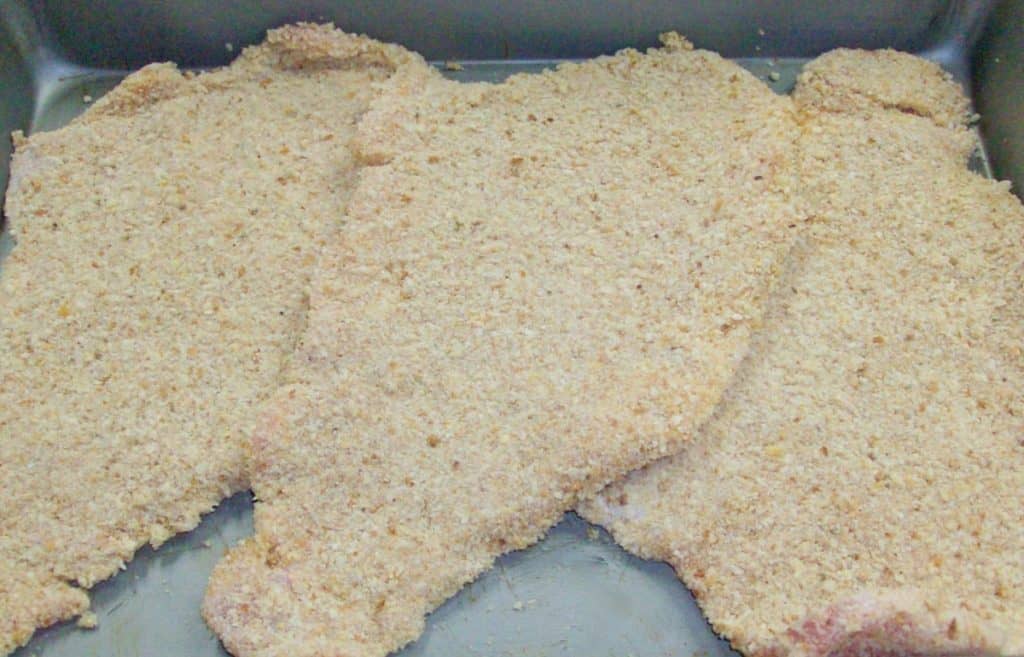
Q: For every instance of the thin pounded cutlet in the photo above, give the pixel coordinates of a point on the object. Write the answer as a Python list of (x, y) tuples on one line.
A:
[(164, 245), (859, 490), (541, 285)]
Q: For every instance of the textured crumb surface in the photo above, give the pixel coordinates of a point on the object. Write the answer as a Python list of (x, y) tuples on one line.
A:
[(540, 286), (858, 491), (847, 81), (164, 245)]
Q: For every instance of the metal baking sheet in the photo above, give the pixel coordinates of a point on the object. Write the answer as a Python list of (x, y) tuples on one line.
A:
[(575, 592)]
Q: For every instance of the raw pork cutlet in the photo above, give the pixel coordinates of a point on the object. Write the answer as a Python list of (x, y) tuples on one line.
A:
[(858, 491), (544, 284), (164, 245)]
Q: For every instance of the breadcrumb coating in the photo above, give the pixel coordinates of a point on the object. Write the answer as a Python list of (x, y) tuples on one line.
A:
[(164, 245), (540, 285), (858, 491)]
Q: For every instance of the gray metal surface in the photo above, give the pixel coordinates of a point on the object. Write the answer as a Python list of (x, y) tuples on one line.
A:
[(575, 593), (16, 92), (998, 89), (129, 33), (151, 609)]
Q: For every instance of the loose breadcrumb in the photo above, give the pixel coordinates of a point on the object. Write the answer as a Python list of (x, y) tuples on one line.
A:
[(164, 244), (88, 621), (541, 285), (858, 491)]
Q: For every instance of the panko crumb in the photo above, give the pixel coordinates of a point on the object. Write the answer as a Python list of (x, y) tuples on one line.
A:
[(87, 621)]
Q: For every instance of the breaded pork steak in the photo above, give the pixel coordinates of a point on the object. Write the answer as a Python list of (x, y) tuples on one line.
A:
[(164, 245), (859, 490), (542, 285)]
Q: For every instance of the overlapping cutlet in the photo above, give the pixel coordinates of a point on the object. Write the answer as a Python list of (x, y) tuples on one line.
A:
[(541, 285), (858, 491), (164, 244)]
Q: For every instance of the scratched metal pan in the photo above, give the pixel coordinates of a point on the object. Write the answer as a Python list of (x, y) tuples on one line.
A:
[(576, 592)]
